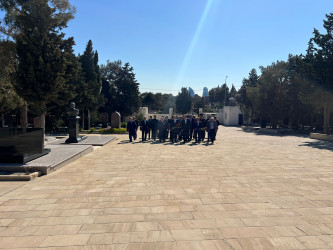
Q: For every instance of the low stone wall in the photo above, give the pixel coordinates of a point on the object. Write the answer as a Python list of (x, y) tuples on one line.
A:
[(321, 137)]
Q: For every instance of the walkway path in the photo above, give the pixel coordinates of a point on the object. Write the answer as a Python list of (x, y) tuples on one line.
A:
[(245, 192)]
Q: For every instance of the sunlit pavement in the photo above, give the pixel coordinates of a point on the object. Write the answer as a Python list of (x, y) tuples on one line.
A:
[(246, 191)]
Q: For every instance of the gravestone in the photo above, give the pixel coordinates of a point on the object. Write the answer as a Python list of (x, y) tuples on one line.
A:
[(37, 122), (115, 120), (105, 120), (20, 145), (73, 125)]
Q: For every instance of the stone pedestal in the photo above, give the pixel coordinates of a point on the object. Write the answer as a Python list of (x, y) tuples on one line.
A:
[(115, 120), (73, 130)]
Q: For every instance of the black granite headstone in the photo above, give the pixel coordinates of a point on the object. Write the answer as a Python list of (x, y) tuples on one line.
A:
[(20, 145)]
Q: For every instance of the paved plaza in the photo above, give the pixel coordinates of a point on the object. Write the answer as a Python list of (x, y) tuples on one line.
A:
[(246, 191)]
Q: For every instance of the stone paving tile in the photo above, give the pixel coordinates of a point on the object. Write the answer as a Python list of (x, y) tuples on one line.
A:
[(65, 240), (247, 191), (21, 242)]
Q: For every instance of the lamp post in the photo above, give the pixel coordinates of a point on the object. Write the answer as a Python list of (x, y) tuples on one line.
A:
[(225, 91)]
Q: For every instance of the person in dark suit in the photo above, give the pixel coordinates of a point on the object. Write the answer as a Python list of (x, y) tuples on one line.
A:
[(197, 128), (144, 127), (132, 129), (162, 130), (192, 120), (207, 120), (185, 127), (211, 127), (154, 127), (203, 122), (136, 121), (166, 121), (149, 121), (174, 129)]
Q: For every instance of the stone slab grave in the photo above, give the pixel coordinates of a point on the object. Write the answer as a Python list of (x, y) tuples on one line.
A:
[(60, 156), (62, 153), (98, 140)]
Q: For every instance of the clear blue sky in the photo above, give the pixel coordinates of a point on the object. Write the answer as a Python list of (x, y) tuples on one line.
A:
[(195, 43)]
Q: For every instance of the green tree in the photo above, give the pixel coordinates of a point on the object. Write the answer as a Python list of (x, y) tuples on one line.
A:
[(243, 98), (122, 87), (126, 91), (40, 47), (219, 96), (320, 58), (183, 101), (9, 100), (109, 73), (148, 99), (169, 101), (274, 83), (91, 97), (197, 102)]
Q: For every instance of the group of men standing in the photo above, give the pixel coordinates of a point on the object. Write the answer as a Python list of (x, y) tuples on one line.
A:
[(185, 128)]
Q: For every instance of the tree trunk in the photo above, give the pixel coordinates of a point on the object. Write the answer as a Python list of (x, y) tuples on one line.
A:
[(24, 115), (82, 119), (2, 120), (326, 118)]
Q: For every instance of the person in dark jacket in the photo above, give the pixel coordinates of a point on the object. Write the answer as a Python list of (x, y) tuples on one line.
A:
[(203, 122), (185, 127), (154, 127), (162, 130), (174, 129), (197, 128), (144, 127), (211, 128), (150, 118), (132, 129)]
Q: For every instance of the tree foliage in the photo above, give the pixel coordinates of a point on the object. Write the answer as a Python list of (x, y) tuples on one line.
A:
[(120, 87), (9, 100), (183, 101), (90, 91), (41, 48)]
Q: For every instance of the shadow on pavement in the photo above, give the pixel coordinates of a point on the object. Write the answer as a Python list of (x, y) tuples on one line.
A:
[(166, 143), (275, 135), (328, 145)]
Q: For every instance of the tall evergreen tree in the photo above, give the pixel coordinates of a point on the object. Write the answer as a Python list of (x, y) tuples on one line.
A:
[(183, 101), (247, 96), (121, 87), (91, 91), (40, 48), (320, 57)]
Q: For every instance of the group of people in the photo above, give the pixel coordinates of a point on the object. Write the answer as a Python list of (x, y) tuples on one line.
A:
[(185, 128)]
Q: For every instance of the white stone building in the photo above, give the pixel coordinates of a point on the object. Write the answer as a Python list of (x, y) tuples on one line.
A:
[(229, 115)]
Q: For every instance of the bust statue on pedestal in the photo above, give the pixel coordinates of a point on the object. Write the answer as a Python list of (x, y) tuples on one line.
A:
[(72, 112), (73, 126)]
